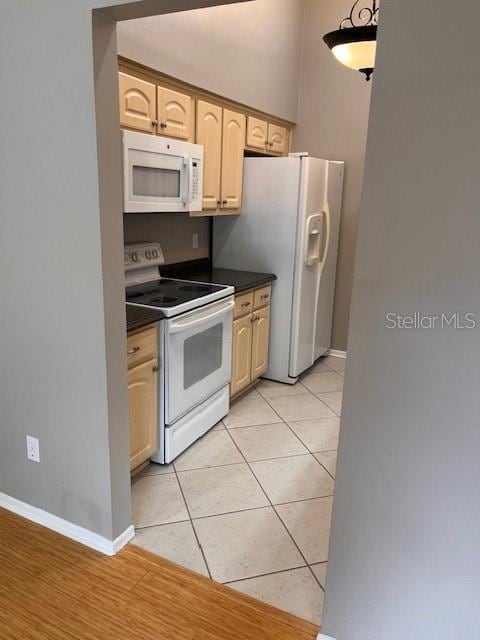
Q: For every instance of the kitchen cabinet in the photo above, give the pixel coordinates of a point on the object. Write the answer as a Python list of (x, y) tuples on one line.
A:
[(209, 133), (267, 137), (261, 331), (277, 140), (251, 330), (233, 143), (222, 133), (242, 354), (175, 114), (138, 106), (257, 133), (142, 360)]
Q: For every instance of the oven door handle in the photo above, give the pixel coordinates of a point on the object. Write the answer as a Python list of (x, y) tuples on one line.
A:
[(182, 325)]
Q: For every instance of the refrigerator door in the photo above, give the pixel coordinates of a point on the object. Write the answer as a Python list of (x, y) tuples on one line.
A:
[(326, 294), (263, 238), (313, 230)]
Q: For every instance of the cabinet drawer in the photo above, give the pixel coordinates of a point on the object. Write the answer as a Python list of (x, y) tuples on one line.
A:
[(243, 305), (262, 297), (141, 346)]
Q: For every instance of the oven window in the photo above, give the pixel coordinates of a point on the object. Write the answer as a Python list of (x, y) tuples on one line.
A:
[(202, 355), (155, 182)]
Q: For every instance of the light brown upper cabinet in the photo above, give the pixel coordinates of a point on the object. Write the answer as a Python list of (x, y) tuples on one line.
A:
[(277, 141), (233, 143), (267, 136), (209, 133), (257, 132), (138, 105), (175, 114), (222, 133)]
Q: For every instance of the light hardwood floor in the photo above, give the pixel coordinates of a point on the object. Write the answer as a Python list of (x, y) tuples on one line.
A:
[(53, 588)]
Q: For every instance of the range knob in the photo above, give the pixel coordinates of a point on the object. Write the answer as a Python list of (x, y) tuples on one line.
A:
[(135, 257), (155, 253), (148, 255)]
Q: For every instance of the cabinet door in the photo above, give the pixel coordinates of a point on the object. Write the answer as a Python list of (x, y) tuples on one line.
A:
[(209, 133), (242, 354), (260, 339), (277, 139), (257, 131), (138, 106), (233, 145), (142, 412), (175, 114)]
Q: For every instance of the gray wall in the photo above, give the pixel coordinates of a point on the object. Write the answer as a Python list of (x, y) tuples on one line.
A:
[(332, 123), (249, 52), (405, 552), (62, 344)]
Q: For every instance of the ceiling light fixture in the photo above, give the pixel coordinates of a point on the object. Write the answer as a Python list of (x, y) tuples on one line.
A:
[(354, 44)]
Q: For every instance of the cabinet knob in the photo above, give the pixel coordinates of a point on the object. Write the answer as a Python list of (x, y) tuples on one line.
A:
[(224, 202), (155, 369), (219, 202), (154, 123), (163, 125)]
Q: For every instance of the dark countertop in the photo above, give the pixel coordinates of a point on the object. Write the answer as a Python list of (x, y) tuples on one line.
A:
[(138, 317), (198, 271), (203, 272)]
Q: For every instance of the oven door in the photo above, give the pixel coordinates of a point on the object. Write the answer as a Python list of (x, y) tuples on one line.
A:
[(198, 357)]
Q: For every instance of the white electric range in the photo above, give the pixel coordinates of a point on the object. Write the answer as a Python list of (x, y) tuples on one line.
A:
[(195, 348)]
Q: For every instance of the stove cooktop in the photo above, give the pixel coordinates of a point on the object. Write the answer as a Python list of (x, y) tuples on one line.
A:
[(166, 293)]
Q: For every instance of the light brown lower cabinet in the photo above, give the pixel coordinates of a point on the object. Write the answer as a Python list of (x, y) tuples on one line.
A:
[(261, 331), (143, 398), (242, 354), (251, 331)]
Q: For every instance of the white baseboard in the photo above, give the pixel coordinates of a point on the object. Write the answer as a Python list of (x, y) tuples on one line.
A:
[(68, 529), (337, 354), (322, 637)]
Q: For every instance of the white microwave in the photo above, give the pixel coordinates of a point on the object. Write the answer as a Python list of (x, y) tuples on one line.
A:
[(161, 174)]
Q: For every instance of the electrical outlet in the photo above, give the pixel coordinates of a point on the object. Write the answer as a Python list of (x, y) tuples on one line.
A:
[(195, 241), (33, 449)]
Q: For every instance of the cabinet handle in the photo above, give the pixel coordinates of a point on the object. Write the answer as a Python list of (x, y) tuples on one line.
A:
[(163, 125), (219, 202), (154, 123), (134, 350), (245, 304), (155, 369), (224, 202), (265, 296)]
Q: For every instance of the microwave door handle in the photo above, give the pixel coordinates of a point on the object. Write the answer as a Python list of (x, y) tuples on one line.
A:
[(187, 194), (182, 325)]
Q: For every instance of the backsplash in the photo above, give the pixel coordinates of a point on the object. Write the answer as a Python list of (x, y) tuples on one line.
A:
[(174, 231)]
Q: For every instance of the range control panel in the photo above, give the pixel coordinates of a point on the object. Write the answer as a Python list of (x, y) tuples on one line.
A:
[(143, 254)]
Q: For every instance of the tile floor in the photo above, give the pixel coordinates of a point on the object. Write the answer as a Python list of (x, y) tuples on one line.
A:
[(249, 504)]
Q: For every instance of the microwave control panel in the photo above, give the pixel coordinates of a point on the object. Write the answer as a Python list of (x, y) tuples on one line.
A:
[(195, 179)]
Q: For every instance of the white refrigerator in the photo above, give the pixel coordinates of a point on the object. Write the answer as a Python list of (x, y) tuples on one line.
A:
[(289, 226)]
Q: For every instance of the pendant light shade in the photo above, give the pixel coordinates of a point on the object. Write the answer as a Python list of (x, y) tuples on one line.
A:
[(354, 44)]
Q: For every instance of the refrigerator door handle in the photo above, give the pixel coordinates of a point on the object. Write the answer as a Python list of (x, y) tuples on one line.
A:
[(326, 244)]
